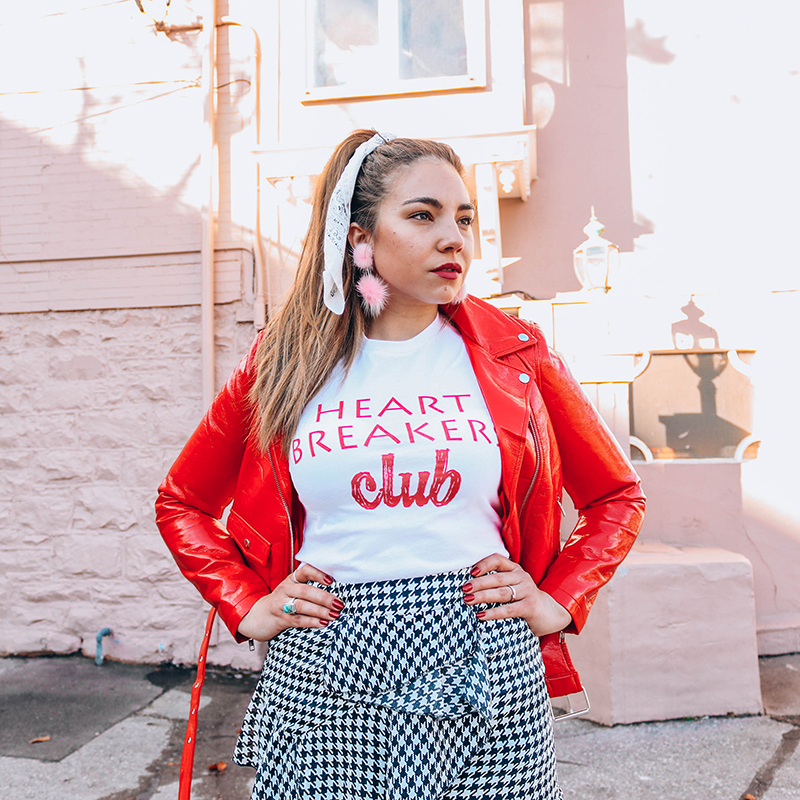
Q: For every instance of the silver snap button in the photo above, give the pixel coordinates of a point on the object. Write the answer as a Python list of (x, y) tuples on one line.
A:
[(247, 543), (524, 377), (523, 337)]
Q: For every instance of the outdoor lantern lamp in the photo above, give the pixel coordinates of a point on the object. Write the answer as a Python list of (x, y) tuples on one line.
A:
[(595, 258)]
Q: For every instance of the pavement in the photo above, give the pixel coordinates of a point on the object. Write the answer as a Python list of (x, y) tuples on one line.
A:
[(70, 730)]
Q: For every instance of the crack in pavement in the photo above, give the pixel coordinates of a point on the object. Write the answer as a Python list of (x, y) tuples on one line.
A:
[(766, 775)]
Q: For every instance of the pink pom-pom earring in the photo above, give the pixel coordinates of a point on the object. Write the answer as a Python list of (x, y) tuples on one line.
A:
[(371, 287), (364, 256), (374, 293)]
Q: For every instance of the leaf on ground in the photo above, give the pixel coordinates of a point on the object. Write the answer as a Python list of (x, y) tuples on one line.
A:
[(39, 739), (220, 766)]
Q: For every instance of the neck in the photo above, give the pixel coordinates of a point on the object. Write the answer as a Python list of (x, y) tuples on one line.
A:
[(397, 326)]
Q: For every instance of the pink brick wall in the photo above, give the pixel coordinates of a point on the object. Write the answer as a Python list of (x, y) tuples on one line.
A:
[(95, 407)]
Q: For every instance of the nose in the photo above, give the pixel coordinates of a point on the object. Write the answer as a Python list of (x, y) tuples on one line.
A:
[(452, 237)]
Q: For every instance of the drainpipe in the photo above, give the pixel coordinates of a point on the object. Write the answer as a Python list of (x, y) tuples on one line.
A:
[(209, 162), (98, 656), (262, 294)]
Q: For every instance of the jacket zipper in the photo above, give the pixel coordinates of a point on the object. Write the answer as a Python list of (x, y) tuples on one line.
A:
[(285, 508), (536, 468)]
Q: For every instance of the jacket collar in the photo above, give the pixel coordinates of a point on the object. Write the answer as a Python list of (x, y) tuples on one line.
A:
[(495, 332)]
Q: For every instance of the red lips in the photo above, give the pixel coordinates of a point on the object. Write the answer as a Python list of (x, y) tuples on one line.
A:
[(450, 271)]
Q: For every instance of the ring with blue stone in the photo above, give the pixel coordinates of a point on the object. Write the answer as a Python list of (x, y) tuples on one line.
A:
[(291, 606)]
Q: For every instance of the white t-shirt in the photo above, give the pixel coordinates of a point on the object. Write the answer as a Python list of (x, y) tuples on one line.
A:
[(398, 467)]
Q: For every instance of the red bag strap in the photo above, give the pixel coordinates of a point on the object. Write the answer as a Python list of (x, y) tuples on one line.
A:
[(187, 759)]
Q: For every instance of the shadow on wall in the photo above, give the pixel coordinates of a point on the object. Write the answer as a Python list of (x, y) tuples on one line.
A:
[(577, 95), (72, 203)]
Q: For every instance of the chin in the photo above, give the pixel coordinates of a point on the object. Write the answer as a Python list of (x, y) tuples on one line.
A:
[(456, 296)]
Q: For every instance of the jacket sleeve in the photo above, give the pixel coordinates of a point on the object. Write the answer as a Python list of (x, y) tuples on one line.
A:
[(195, 493), (603, 486)]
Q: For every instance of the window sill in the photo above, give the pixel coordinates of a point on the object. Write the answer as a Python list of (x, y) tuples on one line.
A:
[(385, 89)]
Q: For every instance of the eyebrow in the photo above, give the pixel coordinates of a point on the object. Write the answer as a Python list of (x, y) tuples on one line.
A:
[(432, 201)]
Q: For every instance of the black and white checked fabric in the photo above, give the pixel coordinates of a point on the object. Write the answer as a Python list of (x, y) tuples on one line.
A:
[(407, 695)]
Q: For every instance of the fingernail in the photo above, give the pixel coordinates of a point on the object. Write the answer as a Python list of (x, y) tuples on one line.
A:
[(481, 614), (338, 604), (469, 598), (324, 621), (475, 571), (334, 614), (329, 578), (467, 587)]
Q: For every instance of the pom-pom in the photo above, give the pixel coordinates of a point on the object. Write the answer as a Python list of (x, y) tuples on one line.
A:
[(374, 293), (363, 256), (461, 295)]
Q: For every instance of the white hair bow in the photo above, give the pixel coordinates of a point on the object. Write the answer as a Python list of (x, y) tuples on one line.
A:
[(337, 224)]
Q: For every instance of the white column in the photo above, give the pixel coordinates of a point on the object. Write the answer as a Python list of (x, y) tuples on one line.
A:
[(485, 276)]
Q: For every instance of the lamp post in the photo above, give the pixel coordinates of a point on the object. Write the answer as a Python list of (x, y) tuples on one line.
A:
[(595, 258)]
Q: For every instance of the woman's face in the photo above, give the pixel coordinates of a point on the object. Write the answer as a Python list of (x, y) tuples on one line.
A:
[(423, 235)]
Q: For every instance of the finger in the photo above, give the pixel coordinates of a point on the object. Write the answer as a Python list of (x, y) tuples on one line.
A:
[(313, 594), (306, 621), (494, 580), (504, 611), (307, 572), (500, 594), (494, 562), (309, 608)]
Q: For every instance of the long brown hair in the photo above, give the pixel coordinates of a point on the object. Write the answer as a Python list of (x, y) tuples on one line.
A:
[(305, 341)]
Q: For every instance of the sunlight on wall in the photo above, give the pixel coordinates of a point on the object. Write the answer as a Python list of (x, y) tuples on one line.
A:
[(710, 133), (137, 116)]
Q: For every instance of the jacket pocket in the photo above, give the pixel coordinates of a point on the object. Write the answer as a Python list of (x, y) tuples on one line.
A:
[(255, 548)]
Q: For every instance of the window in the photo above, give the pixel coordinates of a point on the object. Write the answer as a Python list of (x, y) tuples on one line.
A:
[(367, 48)]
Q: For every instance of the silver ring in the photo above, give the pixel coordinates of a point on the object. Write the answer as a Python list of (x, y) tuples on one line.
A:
[(513, 593), (291, 606), (294, 577)]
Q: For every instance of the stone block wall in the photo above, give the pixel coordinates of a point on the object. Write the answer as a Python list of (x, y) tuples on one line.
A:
[(94, 407)]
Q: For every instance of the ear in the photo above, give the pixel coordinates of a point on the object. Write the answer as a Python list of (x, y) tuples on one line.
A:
[(357, 235)]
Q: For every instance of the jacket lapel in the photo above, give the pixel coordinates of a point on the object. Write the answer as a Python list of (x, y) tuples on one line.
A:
[(491, 338)]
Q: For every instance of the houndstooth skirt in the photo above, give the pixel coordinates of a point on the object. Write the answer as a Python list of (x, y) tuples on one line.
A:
[(406, 695)]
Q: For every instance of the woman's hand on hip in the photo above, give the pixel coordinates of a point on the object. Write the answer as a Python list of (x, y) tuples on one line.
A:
[(314, 608), (497, 579)]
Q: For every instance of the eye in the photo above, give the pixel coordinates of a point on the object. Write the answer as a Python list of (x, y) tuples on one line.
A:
[(466, 221), (426, 215)]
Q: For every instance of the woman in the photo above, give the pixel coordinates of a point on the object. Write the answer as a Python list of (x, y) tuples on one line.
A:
[(394, 452)]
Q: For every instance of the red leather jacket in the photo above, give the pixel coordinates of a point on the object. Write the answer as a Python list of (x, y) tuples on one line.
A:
[(550, 437)]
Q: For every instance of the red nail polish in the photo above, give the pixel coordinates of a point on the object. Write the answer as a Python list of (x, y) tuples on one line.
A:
[(469, 598), (329, 578), (338, 604), (467, 587), (324, 621), (481, 614), (334, 614), (475, 571)]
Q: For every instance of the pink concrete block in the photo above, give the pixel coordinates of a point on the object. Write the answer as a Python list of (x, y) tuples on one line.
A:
[(673, 635)]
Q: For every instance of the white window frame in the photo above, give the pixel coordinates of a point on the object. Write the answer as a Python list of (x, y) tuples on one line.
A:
[(389, 39)]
